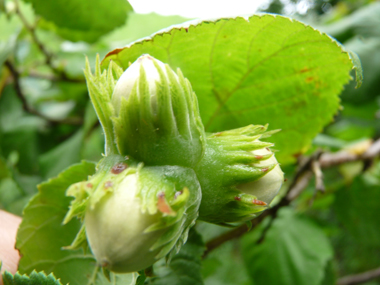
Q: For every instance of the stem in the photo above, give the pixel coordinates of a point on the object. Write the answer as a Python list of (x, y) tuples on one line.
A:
[(31, 30), (29, 109), (48, 55), (359, 278), (92, 280)]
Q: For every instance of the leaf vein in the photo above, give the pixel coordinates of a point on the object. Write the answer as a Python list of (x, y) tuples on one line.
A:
[(245, 75)]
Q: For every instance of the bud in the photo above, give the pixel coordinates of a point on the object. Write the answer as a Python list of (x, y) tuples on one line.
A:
[(157, 117), (267, 187), (134, 215), (239, 175)]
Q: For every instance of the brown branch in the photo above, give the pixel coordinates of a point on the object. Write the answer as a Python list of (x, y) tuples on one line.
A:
[(318, 174), (16, 79), (300, 184), (32, 32), (25, 105), (372, 151), (308, 168), (359, 278), (50, 77), (332, 159), (48, 55), (54, 78)]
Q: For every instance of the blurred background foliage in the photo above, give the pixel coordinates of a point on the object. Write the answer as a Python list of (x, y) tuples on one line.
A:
[(47, 123)]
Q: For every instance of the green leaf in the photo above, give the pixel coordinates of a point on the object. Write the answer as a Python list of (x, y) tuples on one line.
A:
[(15, 188), (356, 207), (353, 223), (225, 265), (93, 145), (330, 275), (9, 192), (368, 51), (264, 69), (8, 36), (141, 279), (41, 235), (62, 156), (35, 278), (185, 266), (17, 128), (294, 251), (357, 67), (90, 19), (100, 86), (359, 32)]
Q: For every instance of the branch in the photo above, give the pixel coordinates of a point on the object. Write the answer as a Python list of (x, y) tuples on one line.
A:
[(41, 47), (308, 168), (332, 159), (48, 56), (54, 78), (359, 278), (29, 109)]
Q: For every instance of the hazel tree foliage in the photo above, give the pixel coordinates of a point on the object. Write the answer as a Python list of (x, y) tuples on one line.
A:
[(154, 149)]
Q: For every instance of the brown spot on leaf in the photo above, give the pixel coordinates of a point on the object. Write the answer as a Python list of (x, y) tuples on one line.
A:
[(237, 198), (144, 122), (309, 79), (258, 156), (119, 168), (162, 204), (178, 193), (89, 185), (258, 202), (264, 169), (115, 51), (296, 155), (305, 69)]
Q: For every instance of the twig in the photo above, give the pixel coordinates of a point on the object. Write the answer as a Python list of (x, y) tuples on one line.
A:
[(50, 77), (235, 233), (372, 151), (41, 47), (308, 167), (300, 183), (343, 156), (359, 278), (29, 109), (16, 78), (316, 168), (303, 175), (54, 78), (48, 56)]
